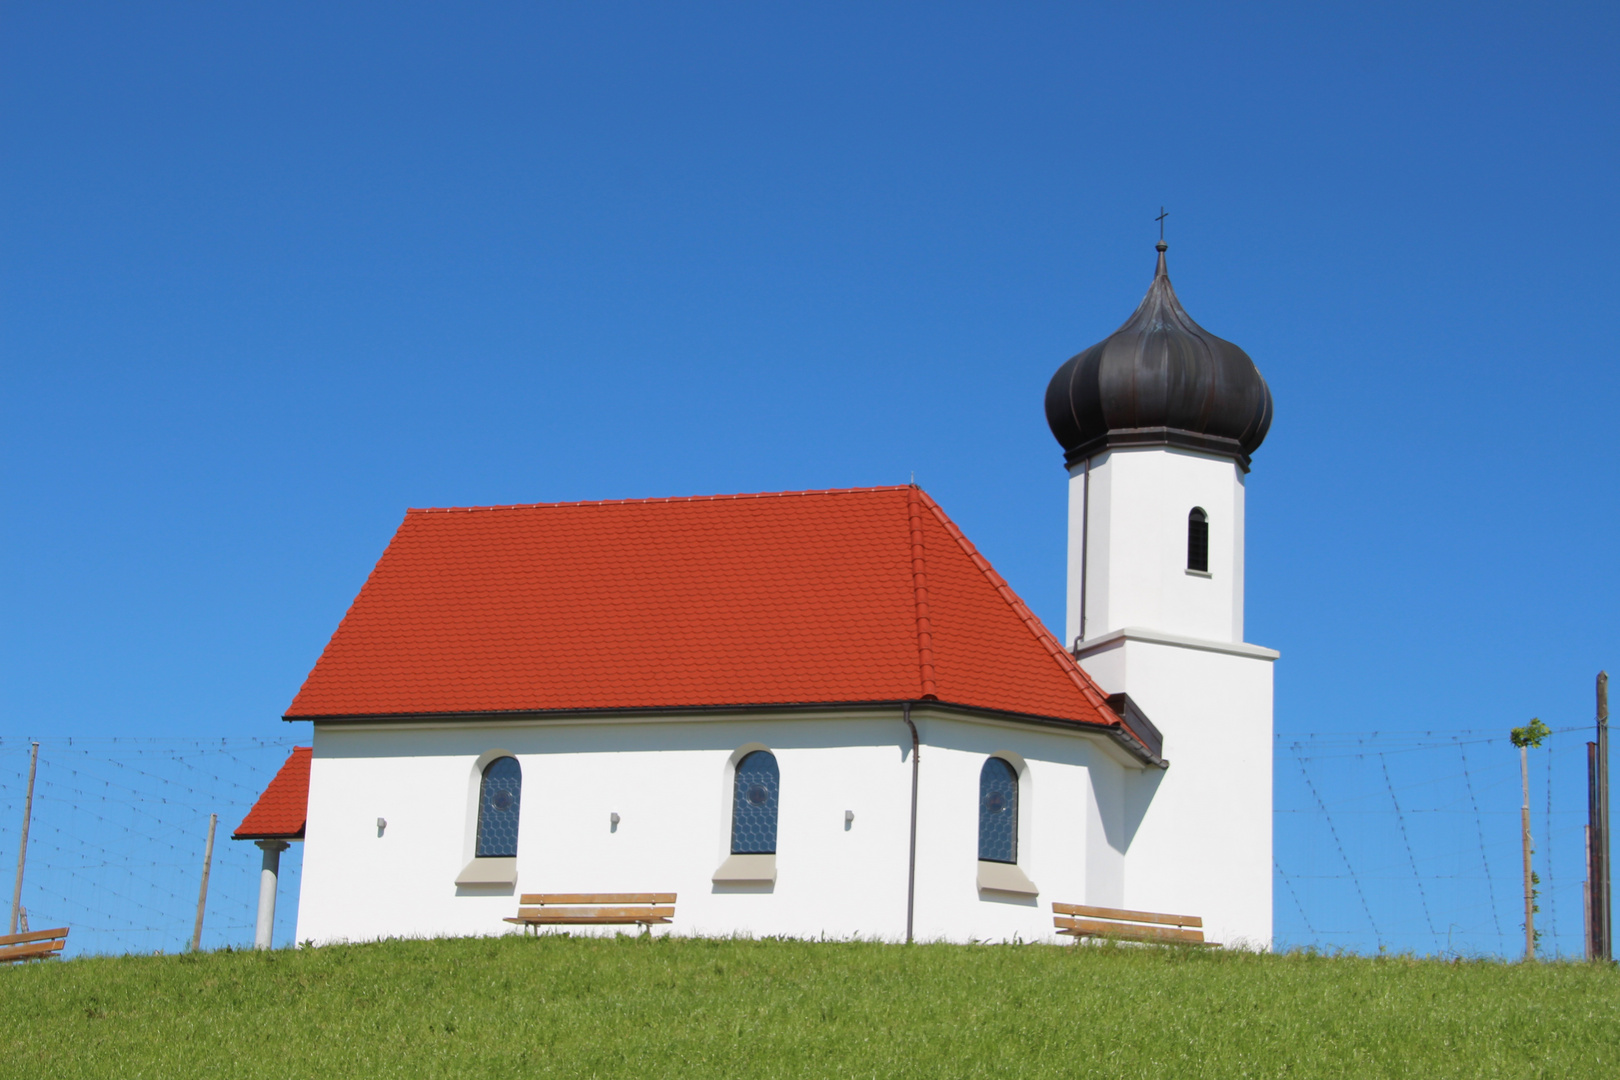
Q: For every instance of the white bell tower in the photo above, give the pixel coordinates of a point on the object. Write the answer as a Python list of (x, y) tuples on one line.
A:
[(1158, 422), (1156, 541)]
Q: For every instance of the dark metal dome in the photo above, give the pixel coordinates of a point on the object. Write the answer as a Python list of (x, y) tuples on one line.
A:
[(1159, 380)]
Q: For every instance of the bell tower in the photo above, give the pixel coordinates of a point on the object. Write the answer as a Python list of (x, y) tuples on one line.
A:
[(1157, 423)]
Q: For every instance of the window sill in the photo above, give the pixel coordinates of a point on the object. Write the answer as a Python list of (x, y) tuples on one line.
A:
[(489, 872), (1200, 573), (750, 869), (1005, 877)]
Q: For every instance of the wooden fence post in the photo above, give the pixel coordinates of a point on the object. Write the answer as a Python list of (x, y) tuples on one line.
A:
[(1586, 891), (1524, 830), (1602, 891), (1594, 886), (22, 842), (202, 893)]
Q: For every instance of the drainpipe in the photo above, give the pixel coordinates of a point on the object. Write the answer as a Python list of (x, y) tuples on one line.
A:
[(911, 869), (1085, 546)]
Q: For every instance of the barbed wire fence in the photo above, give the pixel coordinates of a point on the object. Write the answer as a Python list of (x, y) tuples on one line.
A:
[(115, 849), (1400, 841), (1410, 842)]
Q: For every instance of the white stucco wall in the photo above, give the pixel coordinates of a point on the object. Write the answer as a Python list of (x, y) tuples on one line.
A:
[(668, 781), (1198, 834), (1068, 808), (1128, 526)]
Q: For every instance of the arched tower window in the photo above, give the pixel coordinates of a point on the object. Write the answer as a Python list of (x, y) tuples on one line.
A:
[(998, 811), (498, 796), (1198, 540), (753, 805)]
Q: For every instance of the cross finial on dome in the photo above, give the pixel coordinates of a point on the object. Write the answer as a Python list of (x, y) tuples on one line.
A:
[(1161, 271)]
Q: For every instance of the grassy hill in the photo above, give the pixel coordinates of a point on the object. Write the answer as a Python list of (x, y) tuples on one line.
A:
[(580, 1007)]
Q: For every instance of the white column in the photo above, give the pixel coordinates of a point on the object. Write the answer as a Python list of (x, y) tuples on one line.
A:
[(267, 891)]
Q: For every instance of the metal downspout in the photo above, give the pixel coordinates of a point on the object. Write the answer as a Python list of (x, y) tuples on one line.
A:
[(1085, 544), (911, 869)]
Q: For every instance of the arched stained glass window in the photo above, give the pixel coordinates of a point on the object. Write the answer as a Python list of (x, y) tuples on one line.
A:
[(498, 798), (1198, 540), (753, 805), (998, 811)]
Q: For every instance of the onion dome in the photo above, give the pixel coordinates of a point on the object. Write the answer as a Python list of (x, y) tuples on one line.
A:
[(1159, 380)]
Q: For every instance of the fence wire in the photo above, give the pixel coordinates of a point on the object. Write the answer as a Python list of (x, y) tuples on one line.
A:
[(1383, 840), (115, 849), (1410, 842)]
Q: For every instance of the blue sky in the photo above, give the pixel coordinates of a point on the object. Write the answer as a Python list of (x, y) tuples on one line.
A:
[(273, 274)]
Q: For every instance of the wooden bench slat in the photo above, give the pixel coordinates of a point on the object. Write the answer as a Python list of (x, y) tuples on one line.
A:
[(1096, 928), (32, 935), (1127, 916), (29, 952), (580, 920), (598, 898), (595, 912)]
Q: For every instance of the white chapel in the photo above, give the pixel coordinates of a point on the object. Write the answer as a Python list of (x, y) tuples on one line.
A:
[(811, 713)]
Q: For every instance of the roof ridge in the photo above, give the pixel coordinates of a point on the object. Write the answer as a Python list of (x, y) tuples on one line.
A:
[(1066, 662), (656, 499), (919, 591)]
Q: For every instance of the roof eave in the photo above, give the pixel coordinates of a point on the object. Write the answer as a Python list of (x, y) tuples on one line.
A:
[(1116, 729), (1134, 438), (299, 835)]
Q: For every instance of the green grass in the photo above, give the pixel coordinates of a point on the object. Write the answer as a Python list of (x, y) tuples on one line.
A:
[(581, 1007)]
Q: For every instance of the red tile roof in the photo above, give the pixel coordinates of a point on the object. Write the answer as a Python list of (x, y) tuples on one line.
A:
[(860, 595), (279, 813)]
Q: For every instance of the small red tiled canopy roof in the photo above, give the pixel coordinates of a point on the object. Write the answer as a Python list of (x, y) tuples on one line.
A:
[(862, 595), (279, 813)]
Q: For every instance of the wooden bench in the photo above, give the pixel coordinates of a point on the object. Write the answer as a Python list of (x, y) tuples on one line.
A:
[(35, 945), (1081, 921), (576, 909)]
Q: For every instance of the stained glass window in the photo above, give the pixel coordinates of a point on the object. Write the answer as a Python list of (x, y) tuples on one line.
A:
[(753, 805), (998, 812), (498, 798)]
